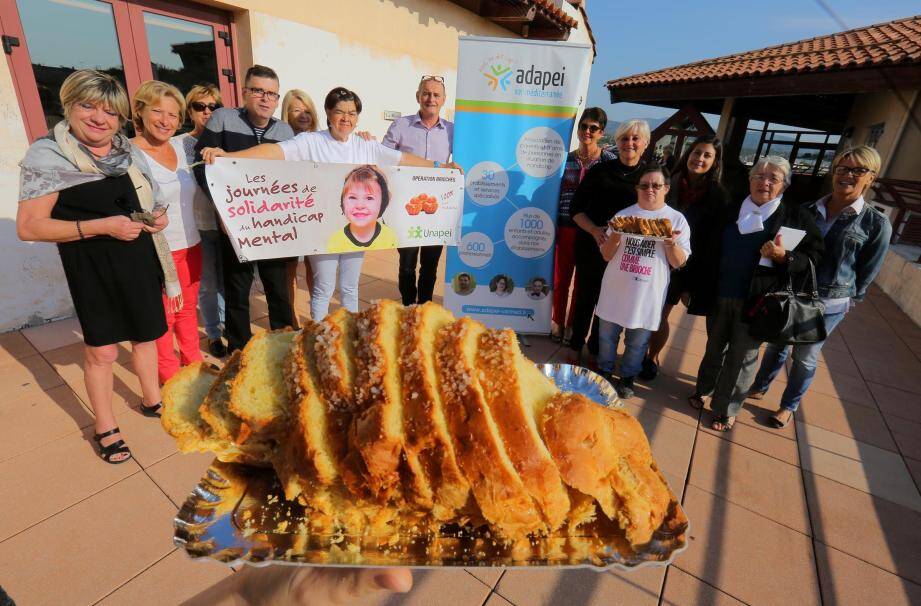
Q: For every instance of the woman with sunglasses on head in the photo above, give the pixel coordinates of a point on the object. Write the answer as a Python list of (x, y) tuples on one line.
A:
[(79, 186), (578, 162), (338, 144), (157, 112), (299, 111), (856, 240), (695, 191), (202, 100)]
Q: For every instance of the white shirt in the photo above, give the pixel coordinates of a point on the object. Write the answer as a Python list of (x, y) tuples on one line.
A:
[(178, 188), (752, 216), (322, 147), (636, 279), (201, 205)]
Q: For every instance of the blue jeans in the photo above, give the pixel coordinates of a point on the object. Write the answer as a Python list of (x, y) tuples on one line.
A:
[(805, 358), (324, 269), (635, 342), (211, 289)]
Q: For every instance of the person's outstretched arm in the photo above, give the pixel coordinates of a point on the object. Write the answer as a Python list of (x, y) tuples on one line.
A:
[(266, 151), (302, 586)]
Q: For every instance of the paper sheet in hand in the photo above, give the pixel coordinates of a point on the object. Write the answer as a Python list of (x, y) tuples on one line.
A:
[(789, 239)]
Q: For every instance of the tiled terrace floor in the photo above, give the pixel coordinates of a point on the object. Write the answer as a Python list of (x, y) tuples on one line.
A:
[(827, 510)]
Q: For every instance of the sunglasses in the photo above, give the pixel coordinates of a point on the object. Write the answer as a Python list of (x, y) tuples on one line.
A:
[(857, 171), (592, 128), (200, 107), (645, 186), (435, 78)]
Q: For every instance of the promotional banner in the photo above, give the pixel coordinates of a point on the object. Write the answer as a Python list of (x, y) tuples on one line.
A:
[(515, 109), (275, 209)]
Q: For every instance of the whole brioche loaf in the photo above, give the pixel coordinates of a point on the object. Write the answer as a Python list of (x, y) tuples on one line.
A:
[(405, 416)]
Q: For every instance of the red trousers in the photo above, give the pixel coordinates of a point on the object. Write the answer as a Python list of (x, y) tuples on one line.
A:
[(184, 323), (564, 265)]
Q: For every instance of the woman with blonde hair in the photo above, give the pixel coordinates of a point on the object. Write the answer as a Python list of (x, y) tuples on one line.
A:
[(298, 110), (202, 101), (607, 188), (856, 240), (84, 187), (158, 110)]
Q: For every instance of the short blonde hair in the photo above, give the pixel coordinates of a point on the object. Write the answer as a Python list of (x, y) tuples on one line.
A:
[(96, 88), (640, 126), (864, 156), (149, 93), (299, 95), (200, 91)]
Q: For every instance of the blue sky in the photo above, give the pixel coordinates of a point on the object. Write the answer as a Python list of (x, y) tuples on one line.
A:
[(635, 37)]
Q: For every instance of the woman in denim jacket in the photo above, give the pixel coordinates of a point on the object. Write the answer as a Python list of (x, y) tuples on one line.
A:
[(856, 240)]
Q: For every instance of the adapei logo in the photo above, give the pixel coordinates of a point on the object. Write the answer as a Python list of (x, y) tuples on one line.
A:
[(501, 73)]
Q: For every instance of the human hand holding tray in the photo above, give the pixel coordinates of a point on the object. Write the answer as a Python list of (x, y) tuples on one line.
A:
[(334, 477)]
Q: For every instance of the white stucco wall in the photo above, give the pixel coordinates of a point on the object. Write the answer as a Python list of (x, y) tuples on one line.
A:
[(32, 286)]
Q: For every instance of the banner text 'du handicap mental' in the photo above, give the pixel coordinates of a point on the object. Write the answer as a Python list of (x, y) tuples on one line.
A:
[(515, 109), (274, 209)]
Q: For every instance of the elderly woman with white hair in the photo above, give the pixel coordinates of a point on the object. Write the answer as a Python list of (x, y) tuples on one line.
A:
[(856, 240), (608, 188), (749, 231)]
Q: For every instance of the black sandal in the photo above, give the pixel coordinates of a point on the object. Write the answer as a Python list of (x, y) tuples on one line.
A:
[(106, 453), (696, 402), (725, 424), (151, 411)]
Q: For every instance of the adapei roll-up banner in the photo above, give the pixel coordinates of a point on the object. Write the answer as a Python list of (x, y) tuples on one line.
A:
[(515, 109), (273, 209)]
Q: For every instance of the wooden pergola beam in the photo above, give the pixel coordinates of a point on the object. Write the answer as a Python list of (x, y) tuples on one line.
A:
[(503, 13)]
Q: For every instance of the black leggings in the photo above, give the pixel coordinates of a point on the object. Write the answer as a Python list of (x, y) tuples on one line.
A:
[(590, 273)]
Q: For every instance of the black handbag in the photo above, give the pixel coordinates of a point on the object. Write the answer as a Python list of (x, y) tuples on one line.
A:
[(787, 315)]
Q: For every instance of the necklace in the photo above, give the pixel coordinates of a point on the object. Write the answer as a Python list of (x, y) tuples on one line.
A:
[(587, 157)]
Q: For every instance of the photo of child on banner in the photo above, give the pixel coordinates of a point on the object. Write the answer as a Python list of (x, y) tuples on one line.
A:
[(275, 209), (365, 196)]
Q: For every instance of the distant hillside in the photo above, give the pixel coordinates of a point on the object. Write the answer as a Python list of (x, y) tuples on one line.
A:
[(653, 123)]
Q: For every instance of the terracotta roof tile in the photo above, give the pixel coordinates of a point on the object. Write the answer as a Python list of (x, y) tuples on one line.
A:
[(558, 15), (895, 42)]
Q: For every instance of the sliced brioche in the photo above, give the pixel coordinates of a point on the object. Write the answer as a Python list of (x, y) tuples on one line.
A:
[(310, 454), (517, 394), (258, 394), (182, 395), (436, 481), (335, 352), (604, 453), (502, 497), (215, 409), (377, 427)]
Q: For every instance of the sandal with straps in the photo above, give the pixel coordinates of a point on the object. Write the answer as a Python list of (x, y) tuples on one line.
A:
[(151, 411), (723, 424), (108, 452)]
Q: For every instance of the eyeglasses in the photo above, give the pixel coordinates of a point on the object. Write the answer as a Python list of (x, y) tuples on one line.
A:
[(592, 128), (200, 107), (260, 93), (653, 186), (857, 171), (766, 179), (435, 78)]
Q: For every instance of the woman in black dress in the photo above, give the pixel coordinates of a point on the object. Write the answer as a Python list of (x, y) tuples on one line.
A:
[(608, 188), (80, 185)]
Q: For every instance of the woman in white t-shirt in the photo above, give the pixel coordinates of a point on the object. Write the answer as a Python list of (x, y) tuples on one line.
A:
[(158, 110), (337, 145), (636, 279)]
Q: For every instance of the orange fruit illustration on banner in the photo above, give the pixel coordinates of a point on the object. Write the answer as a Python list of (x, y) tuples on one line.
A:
[(422, 203)]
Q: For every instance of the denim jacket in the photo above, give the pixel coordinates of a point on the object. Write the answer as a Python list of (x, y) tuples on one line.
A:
[(855, 248)]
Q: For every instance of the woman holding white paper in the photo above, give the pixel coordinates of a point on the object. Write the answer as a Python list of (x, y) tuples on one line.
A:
[(856, 240), (337, 145), (748, 232)]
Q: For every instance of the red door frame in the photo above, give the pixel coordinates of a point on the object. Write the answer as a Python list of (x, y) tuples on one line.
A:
[(132, 41)]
